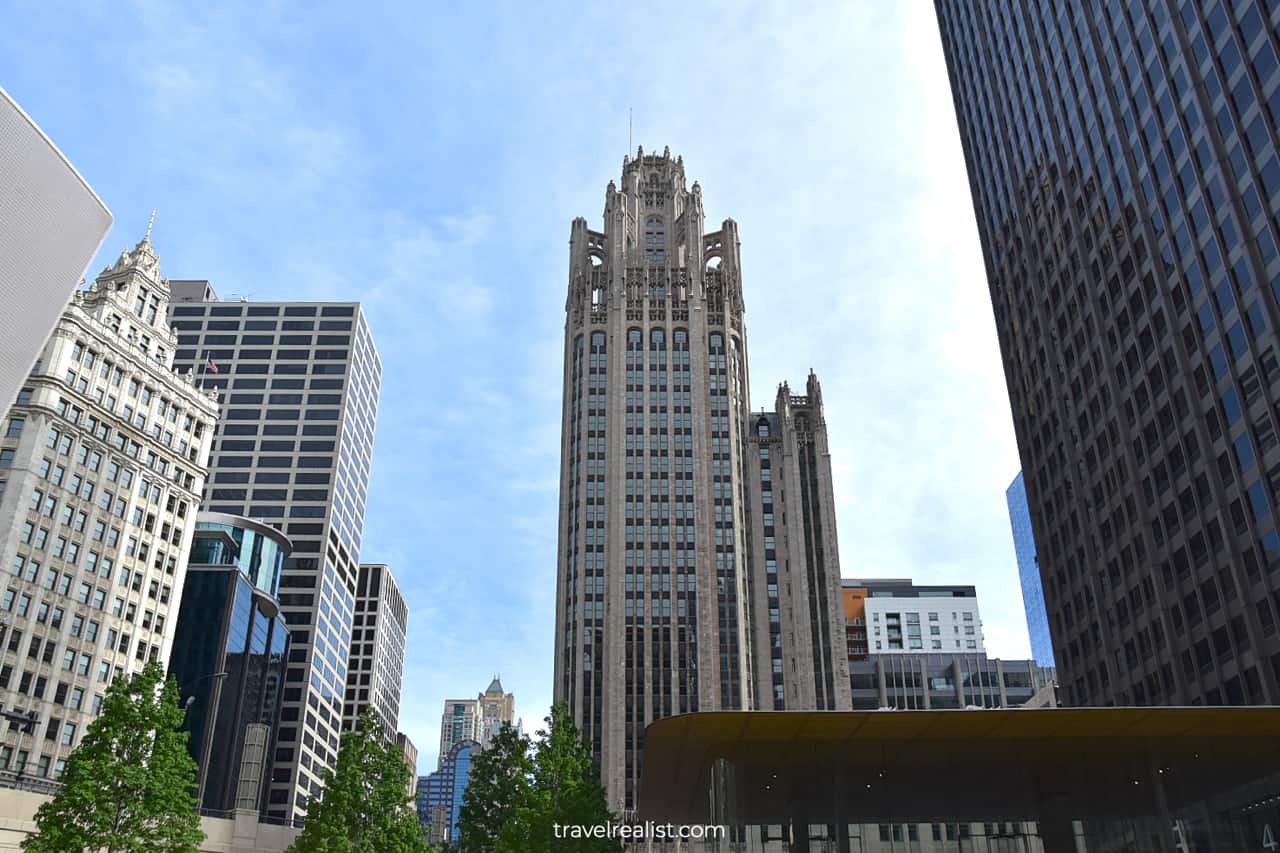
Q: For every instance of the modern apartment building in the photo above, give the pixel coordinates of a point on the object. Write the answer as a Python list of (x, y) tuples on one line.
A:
[(376, 669), (651, 598), (102, 463), (1124, 165), (1024, 549), (890, 616), (797, 623), (230, 650), (299, 384), (51, 224)]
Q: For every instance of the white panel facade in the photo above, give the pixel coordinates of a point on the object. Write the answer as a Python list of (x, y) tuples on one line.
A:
[(51, 224)]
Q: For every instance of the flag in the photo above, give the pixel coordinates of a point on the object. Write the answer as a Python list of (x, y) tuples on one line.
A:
[(210, 367), (81, 281)]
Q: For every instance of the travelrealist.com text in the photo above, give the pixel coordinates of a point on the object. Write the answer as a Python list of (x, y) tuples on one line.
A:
[(639, 831)]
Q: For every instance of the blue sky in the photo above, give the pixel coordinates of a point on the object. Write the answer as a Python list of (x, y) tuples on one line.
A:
[(427, 159)]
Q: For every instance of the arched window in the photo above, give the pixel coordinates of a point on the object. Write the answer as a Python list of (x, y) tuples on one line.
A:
[(655, 240), (762, 428)]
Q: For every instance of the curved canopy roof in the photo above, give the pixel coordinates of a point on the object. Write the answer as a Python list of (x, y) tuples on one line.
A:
[(872, 766)]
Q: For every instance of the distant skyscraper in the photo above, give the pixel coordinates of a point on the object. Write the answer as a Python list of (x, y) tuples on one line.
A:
[(652, 598), (1024, 548), (102, 462), (460, 721), (51, 224), (299, 383), (440, 793), (229, 653), (899, 617), (795, 558), (497, 709), (476, 719), (1124, 170), (376, 668)]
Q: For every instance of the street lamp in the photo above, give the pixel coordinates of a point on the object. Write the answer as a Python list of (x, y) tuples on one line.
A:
[(25, 723), (206, 740)]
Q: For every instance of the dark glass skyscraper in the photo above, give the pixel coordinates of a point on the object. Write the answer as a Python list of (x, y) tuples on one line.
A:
[(1123, 163), (229, 652)]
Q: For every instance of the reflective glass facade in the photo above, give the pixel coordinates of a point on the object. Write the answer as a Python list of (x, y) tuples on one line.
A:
[(1024, 549), (229, 656), (1123, 163), (259, 554), (440, 793)]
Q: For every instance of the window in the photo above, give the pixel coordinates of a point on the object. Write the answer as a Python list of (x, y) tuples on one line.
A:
[(654, 240)]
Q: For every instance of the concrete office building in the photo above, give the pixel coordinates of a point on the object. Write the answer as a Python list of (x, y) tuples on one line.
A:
[(51, 225), (1024, 549), (376, 666), (923, 681), (299, 382), (1123, 161), (229, 653), (410, 753), (895, 616), (651, 594), (801, 660), (102, 462)]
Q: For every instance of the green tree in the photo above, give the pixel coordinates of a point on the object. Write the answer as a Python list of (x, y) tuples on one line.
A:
[(566, 790), (130, 785), (516, 795), (365, 806), (498, 788)]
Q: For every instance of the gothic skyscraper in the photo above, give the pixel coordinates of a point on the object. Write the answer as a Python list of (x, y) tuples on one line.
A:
[(652, 610)]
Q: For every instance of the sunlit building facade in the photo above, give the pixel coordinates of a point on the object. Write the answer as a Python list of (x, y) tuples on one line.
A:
[(651, 598), (299, 384), (102, 463)]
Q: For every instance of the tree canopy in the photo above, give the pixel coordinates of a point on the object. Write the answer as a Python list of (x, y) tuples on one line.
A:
[(130, 784), (521, 796), (365, 806)]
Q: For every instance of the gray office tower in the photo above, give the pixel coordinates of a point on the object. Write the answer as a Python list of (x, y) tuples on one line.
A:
[(298, 383), (1123, 162)]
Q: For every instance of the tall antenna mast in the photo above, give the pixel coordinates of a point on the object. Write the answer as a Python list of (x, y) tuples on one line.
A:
[(150, 222)]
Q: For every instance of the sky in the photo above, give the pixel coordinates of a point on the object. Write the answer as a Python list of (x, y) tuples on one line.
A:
[(427, 159)]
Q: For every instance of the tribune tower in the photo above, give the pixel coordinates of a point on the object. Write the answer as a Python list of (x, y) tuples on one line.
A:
[(652, 610)]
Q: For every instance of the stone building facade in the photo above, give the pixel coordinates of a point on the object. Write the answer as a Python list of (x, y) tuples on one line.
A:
[(651, 600), (102, 462), (698, 567), (797, 625)]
